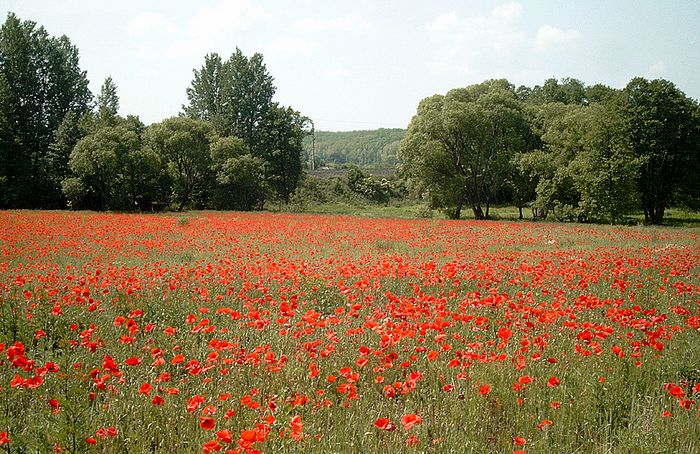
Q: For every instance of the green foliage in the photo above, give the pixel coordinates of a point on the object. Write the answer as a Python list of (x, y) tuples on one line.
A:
[(460, 144), (371, 188), (205, 102), (604, 172), (370, 149), (282, 136), (664, 128), (239, 175), (236, 97), (42, 84), (585, 171), (569, 91), (111, 170), (183, 145), (107, 103)]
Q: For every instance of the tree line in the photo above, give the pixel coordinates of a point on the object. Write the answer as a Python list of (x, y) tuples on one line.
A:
[(232, 146), (564, 149), (369, 149)]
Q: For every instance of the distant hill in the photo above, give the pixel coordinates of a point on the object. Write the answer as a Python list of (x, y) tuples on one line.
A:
[(370, 149)]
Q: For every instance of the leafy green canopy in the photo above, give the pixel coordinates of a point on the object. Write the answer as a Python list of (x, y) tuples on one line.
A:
[(460, 144), (236, 97), (40, 85)]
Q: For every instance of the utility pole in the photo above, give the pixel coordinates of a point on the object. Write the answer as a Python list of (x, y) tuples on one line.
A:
[(313, 146)]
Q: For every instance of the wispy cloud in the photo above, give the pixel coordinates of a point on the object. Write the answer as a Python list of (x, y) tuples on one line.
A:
[(348, 23), (291, 47), (463, 43), (657, 69), (550, 37), (156, 35)]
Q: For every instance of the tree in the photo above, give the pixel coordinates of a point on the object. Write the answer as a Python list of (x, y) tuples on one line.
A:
[(569, 91), (205, 101), (240, 176), (282, 137), (69, 132), (111, 169), (108, 103), (664, 127), (460, 144), (97, 163), (584, 169), (600, 93), (45, 83), (246, 91), (604, 172), (8, 147), (236, 96), (183, 145)]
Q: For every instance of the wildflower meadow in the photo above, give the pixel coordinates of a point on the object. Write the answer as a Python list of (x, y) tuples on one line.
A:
[(281, 333)]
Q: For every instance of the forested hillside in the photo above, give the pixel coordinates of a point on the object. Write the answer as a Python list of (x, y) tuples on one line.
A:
[(376, 148)]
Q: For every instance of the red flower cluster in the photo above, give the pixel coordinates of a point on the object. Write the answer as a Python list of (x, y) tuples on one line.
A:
[(253, 332)]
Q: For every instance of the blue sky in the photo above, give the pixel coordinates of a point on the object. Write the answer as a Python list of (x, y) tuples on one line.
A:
[(366, 64)]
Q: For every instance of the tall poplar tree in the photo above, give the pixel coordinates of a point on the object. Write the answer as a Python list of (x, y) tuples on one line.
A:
[(236, 96), (42, 84)]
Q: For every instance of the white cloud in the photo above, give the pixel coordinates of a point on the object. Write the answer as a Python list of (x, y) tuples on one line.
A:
[(151, 31), (149, 22), (466, 43), (208, 28), (657, 69), (155, 35), (337, 72), (550, 37), (348, 23), (291, 47), (510, 10)]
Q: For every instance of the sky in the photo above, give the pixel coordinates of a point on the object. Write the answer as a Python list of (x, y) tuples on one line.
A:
[(366, 64)]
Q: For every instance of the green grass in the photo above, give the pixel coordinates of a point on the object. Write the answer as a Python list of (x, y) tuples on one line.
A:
[(675, 217)]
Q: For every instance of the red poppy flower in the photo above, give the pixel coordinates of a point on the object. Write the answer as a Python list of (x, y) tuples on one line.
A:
[(384, 424), (484, 390), (675, 390), (504, 334), (553, 382), (145, 389), (53, 403), (224, 435), (410, 420), (206, 423), (389, 391), (544, 423), (133, 361)]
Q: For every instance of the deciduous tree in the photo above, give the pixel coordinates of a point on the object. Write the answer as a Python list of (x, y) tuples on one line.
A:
[(183, 145), (45, 83), (460, 144), (664, 127)]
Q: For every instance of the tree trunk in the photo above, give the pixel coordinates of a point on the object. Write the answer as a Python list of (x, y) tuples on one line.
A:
[(457, 212), (478, 212), (520, 211)]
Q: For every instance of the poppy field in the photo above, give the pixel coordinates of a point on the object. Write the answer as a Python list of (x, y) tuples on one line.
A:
[(280, 333)]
